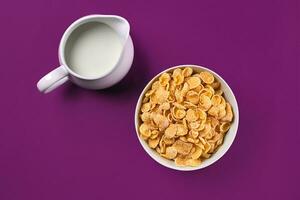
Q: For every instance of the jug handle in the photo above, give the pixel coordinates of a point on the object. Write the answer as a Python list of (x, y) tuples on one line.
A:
[(53, 79)]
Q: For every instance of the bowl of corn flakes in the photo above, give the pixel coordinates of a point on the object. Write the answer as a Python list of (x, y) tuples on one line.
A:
[(186, 117)]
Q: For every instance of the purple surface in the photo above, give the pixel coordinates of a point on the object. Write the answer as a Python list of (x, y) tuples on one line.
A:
[(79, 144)]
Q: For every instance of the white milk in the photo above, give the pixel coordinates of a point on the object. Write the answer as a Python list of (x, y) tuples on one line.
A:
[(93, 49)]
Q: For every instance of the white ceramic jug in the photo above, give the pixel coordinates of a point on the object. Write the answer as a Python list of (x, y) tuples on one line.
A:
[(65, 72)]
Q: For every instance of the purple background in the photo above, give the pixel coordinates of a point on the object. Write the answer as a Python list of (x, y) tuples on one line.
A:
[(79, 144)]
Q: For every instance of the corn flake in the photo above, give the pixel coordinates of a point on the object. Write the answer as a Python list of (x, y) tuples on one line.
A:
[(192, 97), (186, 72), (229, 115), (193, 82), (171, 152), (153, 142), (170, 132), (183, 148), (191, 115), (204, 102), (164, 79), (207, 77)]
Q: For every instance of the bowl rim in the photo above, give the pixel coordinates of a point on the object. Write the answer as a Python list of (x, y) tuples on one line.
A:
[(149, 150)]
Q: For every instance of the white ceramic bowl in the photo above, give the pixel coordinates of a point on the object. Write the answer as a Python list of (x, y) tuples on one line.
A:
[(229, 137)]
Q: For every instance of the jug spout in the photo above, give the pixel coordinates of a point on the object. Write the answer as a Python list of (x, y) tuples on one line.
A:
[(119, 24)]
